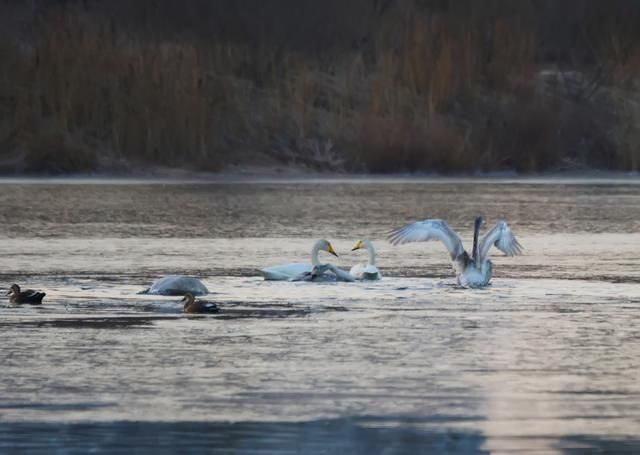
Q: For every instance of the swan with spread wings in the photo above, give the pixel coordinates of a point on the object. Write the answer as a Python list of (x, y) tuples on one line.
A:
[(473, 270)]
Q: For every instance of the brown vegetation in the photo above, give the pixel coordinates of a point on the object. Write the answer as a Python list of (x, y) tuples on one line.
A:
[(366, 85)]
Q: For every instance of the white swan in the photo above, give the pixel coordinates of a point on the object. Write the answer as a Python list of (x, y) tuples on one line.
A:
[(288, 271), (367, 271), (472, 271), (176, 285)]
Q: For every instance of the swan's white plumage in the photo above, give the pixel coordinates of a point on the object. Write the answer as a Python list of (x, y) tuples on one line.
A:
[(367, 271), (470, 272), (472, 277), (503, 239), (177, 285), (422, 231), (288, 271)]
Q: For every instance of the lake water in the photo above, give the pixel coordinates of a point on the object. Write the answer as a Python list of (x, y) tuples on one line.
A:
[(545, 360)]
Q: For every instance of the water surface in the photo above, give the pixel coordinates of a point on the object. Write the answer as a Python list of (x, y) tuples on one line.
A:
[(543, 361)]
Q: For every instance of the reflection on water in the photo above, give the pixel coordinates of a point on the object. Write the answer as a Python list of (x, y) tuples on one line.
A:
[(357, 435), (543, 361), (360, 435)]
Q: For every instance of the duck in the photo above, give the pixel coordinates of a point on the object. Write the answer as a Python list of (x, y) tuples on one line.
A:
[(286, 272), (367, 271), (191, 305), (28, 296), (472, 271)]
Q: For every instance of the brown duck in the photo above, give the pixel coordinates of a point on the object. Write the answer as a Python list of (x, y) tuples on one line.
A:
[(28, 296), (191, 305)]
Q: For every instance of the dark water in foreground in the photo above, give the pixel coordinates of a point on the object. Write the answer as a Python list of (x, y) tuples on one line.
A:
[(543, 361)]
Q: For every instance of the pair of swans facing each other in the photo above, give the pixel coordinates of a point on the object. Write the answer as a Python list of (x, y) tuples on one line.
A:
[(472, 270), (316, 271)]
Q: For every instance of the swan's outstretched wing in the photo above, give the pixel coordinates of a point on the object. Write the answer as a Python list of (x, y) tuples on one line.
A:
[(421, 231), (502, 237)]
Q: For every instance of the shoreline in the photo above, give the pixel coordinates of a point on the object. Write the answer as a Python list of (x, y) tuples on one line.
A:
[(296, 176)]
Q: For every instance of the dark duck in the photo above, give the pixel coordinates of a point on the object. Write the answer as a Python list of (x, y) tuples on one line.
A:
[(28, 296)]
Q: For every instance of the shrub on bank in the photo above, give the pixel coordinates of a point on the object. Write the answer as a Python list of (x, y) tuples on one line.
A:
[(436, 86)]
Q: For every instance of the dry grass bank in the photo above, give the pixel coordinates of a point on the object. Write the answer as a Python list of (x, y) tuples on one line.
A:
[(373, 86)]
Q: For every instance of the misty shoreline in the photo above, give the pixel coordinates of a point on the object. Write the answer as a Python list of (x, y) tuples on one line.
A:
[(302, 176)]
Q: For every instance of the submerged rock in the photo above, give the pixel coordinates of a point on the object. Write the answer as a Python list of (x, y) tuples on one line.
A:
[(176, 285)]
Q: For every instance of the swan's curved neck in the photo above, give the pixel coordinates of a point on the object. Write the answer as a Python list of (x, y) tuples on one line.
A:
[(372, 252), (314, 253), (476, 231)]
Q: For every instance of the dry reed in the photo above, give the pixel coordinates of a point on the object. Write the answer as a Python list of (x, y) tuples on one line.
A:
[(409, 86)]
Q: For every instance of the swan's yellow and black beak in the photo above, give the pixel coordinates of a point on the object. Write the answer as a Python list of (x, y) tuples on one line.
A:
[(331, 250), (358, 246)]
